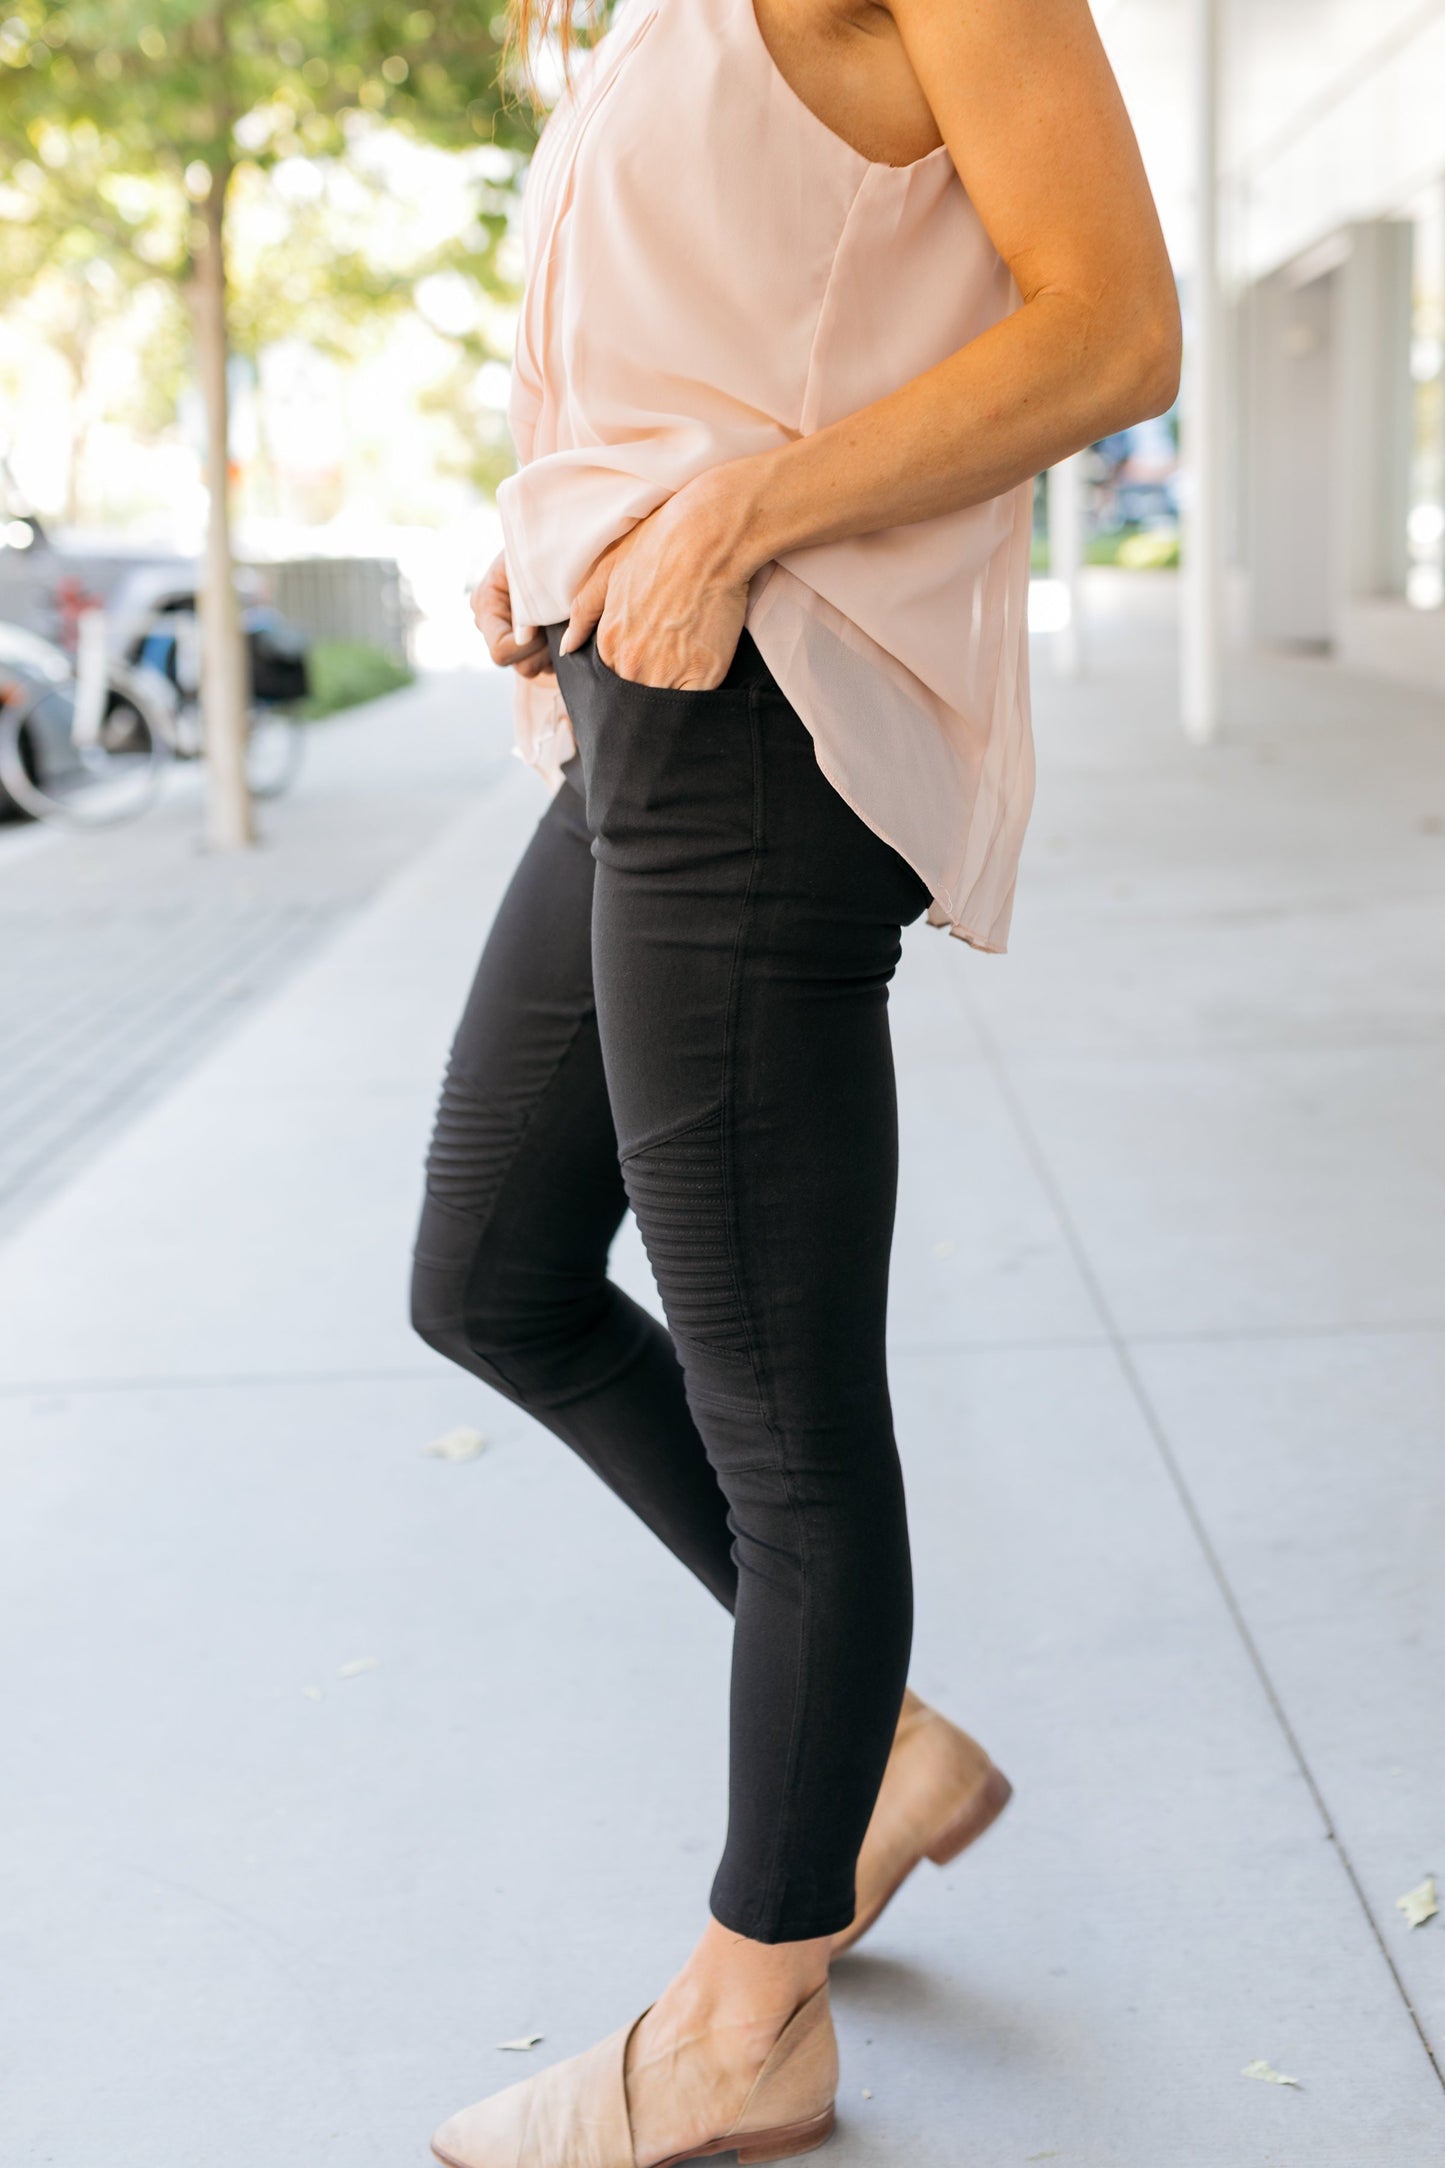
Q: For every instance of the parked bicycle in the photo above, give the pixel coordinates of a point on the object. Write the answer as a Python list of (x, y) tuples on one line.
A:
[(89, 741)]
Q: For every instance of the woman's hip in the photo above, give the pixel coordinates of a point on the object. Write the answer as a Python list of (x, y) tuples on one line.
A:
[(706, 793)]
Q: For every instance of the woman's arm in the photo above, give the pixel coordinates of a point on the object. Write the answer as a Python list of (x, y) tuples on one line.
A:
[(1027, 104)]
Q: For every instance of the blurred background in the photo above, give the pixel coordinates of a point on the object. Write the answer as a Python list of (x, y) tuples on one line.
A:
[(349, 1731)]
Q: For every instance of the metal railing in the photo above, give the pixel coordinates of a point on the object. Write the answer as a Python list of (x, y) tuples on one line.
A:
[(345, 598)]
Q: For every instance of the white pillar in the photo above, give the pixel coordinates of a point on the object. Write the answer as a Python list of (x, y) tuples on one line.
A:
[(1202, 581), (1066, 558)]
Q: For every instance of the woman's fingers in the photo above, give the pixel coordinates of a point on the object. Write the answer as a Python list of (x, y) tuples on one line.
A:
[(538, 667), (492, 613), (492, 602), (517, 652), (588, 606)]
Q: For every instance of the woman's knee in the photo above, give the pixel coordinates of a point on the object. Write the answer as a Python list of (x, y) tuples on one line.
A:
[(535, 1331), (438, 1306), (467, 1297)]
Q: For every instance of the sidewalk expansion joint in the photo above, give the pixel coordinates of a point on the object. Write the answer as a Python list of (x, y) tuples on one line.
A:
[(1173, 1471)]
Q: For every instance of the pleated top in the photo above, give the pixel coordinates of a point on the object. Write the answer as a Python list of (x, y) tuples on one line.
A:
[(712, 272)]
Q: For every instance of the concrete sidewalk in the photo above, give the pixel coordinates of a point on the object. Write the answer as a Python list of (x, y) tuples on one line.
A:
[(125, 952), (1169, 1348)]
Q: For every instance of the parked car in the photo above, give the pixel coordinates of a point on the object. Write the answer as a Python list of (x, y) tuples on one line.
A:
[(28, 664)]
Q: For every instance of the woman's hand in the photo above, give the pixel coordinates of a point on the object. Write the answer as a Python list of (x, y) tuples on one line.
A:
[(492, 610), (668, 599)]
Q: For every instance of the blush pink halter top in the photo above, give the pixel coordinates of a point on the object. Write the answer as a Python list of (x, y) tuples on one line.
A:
[(712, 272)]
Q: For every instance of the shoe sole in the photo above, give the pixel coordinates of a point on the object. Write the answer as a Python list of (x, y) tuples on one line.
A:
[(785, 2143), (969, 1824)]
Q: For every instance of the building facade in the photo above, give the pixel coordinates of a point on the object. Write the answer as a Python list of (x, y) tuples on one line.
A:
[(1331, 136)]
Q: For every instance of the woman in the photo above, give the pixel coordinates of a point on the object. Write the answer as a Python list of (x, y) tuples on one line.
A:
[(815, 288)]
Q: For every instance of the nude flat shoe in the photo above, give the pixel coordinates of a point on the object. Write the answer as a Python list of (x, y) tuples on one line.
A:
[(940, 1791), (574, 2115)]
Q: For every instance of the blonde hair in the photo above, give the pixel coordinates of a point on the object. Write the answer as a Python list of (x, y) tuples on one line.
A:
[(533, 25)]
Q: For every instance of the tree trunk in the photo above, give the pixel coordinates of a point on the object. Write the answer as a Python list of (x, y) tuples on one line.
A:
[(78, 435), (224, 676)]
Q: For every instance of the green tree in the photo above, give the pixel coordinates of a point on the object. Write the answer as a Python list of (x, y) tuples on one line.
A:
[(164, 102), (481, 448), (75, 261)]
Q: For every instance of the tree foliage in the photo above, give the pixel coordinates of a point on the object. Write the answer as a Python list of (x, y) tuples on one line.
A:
[(116, 94), (174, 81), (145, 111)]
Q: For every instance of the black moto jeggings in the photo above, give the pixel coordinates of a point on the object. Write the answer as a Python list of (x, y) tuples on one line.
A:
[(682, 1005)]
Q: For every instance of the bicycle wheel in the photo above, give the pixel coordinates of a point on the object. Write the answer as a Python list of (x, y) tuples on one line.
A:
[(115, 777), (274, 745)]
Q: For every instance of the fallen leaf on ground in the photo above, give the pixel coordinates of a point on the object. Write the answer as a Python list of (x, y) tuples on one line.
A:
[(357, 1665), (1419, 1905), (1270, 2077), (456, 1445), (313, 1693), (520, 2047)]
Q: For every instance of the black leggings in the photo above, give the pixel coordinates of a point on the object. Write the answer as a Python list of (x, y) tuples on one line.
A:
[(682, 1005)]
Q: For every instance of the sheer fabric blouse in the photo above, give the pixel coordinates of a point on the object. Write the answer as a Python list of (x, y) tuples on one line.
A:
[(712, 272)]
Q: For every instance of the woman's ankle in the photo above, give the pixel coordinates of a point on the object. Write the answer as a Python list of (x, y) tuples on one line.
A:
[(730, 1983)]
